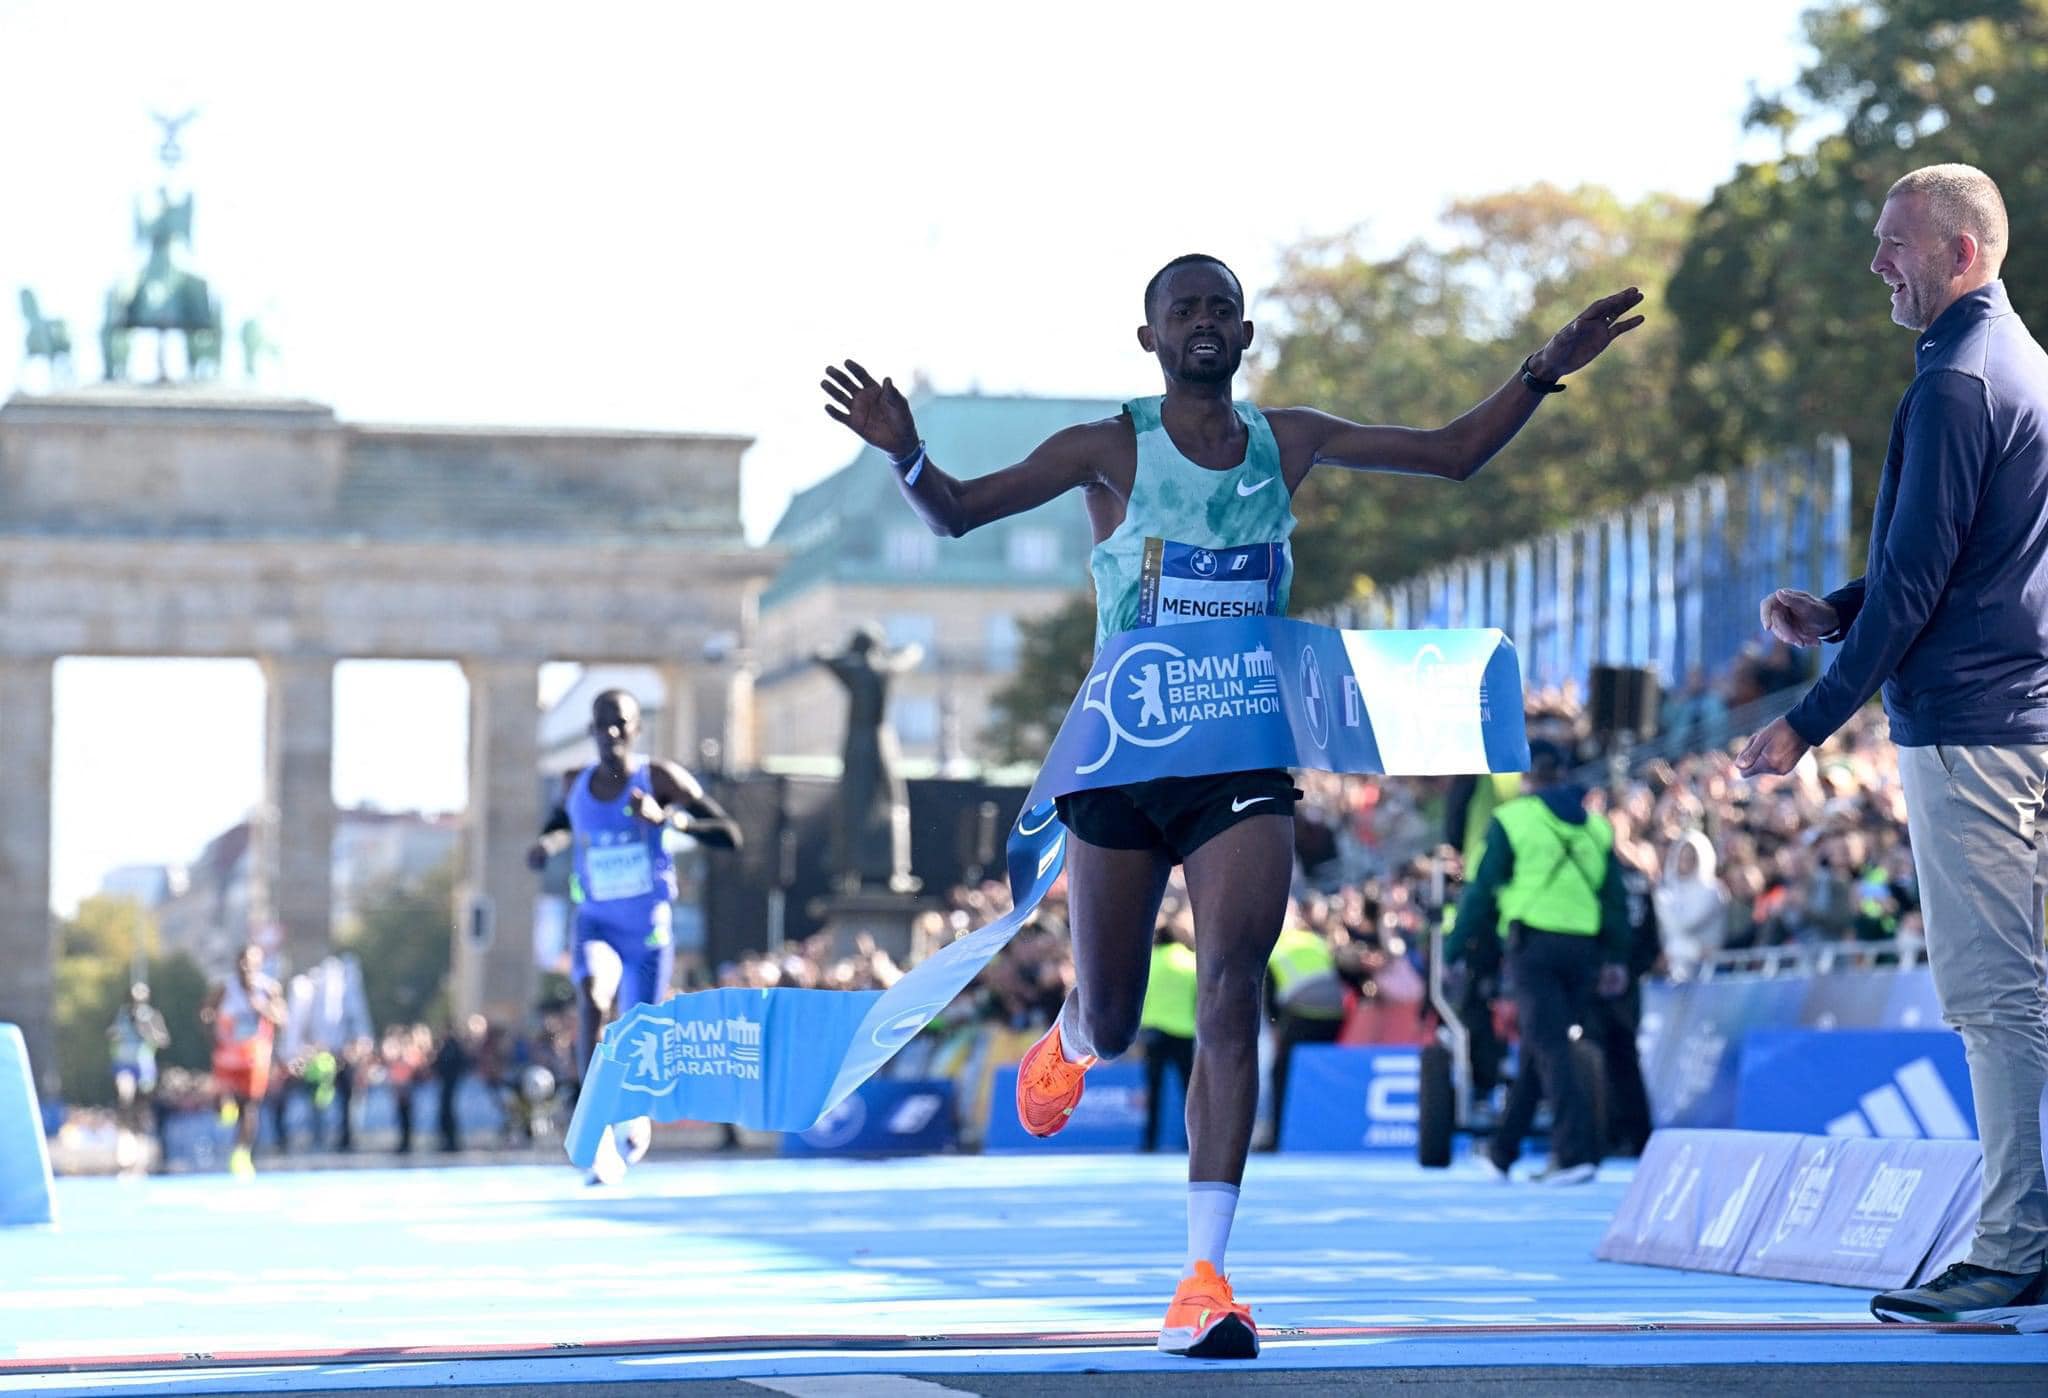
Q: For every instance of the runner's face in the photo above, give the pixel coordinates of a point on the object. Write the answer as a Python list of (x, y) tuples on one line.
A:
[(1198, 327), (615, 727)]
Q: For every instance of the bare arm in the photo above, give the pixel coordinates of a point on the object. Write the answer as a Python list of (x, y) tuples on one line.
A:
[(1457, 450), (556, 835), (692, 811), (879, 416)]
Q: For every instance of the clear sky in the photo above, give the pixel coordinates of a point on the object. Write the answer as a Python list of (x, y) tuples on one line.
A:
[(672, 215)]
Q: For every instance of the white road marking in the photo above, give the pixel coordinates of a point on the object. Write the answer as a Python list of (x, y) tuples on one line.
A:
[(852, 1386)]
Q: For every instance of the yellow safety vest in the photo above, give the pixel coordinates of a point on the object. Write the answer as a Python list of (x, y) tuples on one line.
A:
[(1489, 794), (1170, 992), (1299, 955), (1559, 868)]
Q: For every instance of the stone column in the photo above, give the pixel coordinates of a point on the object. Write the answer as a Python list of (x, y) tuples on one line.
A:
[(493, 963), (28, 948), (298, 837), (675, 736)]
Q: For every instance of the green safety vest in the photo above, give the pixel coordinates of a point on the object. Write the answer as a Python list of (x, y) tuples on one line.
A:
[(1559, 868), (1298, 956), (1170, 992)]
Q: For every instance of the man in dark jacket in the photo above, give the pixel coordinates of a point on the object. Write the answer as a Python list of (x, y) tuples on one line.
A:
[(1951, 618)]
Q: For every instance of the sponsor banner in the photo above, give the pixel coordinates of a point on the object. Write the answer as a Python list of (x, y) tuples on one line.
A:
[(25, 1189), (1219, 696), (1111, 1114), (1692, 1033), (1692, 1069), (883, 1116), (1857, 1211), (1352, 1098), (1910, 1084), (1696, 1197), (1227, 696)]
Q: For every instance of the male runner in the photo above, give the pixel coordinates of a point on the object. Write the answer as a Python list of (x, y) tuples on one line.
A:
[(245, 1012), (615, 816), (135, 1037), (1195, 469)]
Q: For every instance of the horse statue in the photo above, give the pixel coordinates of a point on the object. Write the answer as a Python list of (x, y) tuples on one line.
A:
[(48, 339)]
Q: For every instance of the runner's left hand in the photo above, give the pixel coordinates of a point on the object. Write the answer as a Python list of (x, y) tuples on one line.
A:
[(1584, 337), (639, 803)]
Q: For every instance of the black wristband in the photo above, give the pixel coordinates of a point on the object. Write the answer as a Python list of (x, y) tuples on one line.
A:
[(1538, 385)]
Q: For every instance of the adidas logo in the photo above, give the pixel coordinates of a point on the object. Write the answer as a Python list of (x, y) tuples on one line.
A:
[(1915, 1105)]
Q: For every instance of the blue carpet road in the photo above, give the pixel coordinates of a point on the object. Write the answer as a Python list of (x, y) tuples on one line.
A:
[(527, 1256)]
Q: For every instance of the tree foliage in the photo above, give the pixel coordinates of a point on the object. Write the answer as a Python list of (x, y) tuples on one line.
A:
[(97, 960), (1419, 337), (404, 937), (1784, 333)]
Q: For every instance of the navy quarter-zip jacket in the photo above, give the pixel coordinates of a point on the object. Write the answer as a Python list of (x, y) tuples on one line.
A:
[(1951, 614)]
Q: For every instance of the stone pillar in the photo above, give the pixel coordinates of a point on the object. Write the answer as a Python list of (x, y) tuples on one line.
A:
[(297, 864), (675, 736), (28, 947), (493, 962)]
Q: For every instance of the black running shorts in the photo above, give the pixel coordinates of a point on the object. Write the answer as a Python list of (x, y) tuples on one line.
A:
[(1176, 814)]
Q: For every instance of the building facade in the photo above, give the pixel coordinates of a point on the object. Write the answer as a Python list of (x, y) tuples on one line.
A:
[(855, 554)]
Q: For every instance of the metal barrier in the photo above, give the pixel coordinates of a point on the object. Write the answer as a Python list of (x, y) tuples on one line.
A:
[(1819, 959), (1671, 582)]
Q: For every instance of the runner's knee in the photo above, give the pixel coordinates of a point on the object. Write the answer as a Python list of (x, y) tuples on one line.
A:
[(1227, 1003)]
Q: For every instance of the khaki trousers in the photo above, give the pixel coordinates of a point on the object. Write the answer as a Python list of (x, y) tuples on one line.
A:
[(1977, 820)]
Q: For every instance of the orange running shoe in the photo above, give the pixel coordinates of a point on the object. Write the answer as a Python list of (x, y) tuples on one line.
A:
[(1048, 1087), (1206, 1322)]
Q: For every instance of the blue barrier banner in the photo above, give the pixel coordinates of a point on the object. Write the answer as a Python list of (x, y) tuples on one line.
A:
[(1860, 1212), (25, 1187), (1219, 696), (1696, 1197), (883, 1116), (1909, 1084), (1343, 1097), (1111, 1115)]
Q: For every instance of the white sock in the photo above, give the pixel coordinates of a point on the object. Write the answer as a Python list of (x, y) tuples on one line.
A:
[(1212, 1206), (1067, 1050)]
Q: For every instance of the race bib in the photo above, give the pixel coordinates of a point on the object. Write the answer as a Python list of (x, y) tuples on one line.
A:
[(618, 872), (1182, 583)]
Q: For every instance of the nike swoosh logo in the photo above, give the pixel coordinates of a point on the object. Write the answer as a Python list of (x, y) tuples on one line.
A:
[(1033, 830), (1252, 487), (1245, 803)]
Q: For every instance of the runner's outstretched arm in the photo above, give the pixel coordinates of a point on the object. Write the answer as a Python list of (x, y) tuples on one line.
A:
[(878, 414), (1456, 451)]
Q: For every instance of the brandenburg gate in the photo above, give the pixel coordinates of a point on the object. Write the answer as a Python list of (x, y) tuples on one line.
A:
[(193, 520)]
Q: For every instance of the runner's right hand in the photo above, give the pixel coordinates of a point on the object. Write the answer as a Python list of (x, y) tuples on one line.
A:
[(877, 412)]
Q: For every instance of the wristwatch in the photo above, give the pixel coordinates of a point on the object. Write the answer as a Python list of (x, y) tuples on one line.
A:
[(1538, 385)]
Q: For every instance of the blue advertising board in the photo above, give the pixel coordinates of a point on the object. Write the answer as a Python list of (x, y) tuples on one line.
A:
[(1910, 1084), (1353, 1099), (883, 1116)]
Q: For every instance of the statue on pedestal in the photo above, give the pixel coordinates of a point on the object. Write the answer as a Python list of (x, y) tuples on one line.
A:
[(871, 821), (166, 296)]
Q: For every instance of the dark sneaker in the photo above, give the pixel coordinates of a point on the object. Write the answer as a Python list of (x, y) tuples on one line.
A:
[(1967, 1292), (1583, 1173)]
